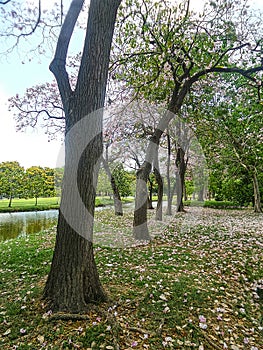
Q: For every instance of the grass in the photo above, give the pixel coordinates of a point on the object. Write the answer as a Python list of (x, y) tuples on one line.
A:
[(46, 204), (195, 286), (28, 204)]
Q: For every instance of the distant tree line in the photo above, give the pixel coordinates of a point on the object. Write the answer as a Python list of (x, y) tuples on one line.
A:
[(34, 182)]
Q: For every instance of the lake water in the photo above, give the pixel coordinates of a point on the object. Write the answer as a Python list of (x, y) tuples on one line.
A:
[(13, 225)]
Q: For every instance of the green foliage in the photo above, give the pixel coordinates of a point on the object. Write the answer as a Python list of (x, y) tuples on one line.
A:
[(103, 185), (164, 43), (38, 182), (11, 180), (32, 183), (123, 179)]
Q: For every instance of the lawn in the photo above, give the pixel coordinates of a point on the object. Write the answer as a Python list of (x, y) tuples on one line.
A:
[(197, 285), (47, 203), (29, 204)]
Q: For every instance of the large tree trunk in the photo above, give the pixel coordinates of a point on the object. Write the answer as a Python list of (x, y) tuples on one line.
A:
[(73, 281), (257, 197), (116, 194), (201, 194), (140, 229)]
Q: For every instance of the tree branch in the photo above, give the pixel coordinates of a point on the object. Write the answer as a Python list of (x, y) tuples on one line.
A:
[(58, 65), (228, 50), (244, 72), (4, 2)]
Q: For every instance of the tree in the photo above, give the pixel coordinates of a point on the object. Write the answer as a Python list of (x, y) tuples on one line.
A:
[(123, 180), (234, 120), (73, 280), (20, 21), (35, 182), (172, 49), (11, 180), (49, 184)]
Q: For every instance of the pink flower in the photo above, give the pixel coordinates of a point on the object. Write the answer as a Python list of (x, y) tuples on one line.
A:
[(202, 319)]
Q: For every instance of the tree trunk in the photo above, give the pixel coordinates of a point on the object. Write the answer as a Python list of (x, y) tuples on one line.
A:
[(116, 194), (257, 197), (10, 201), (159, 208), (180, 176), (140, 229), (169, 191), (150, 196), (35, 201), (201, 194), (73, 281)]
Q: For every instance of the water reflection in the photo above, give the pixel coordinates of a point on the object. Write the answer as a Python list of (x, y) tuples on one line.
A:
[(14, 225)]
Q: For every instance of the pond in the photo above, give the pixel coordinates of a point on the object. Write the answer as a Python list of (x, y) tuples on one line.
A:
[(13, 225)]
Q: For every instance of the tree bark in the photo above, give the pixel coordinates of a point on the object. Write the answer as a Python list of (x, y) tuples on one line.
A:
[(180, 176), (73, 281), (257, 197), (140, 229), (159, 180), (116, 194), (169, 190), (150, 196), (10, 201)]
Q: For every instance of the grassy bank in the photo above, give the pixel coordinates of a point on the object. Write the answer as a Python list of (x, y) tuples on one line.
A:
[(19, 205), (194, 287), (29, 204)]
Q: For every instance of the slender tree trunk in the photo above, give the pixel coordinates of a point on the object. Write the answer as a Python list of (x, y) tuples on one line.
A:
[(159, 180), (150, 196), (257, 197), (169, 191), (10, 201), (180, 176), (35, 201), (73, 281), (116, 194)]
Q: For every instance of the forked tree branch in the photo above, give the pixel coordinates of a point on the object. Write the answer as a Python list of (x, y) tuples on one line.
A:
[(58, 65)]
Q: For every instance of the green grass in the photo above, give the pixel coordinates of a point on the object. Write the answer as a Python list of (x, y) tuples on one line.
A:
[(194, 285), (47, 203), (29, 204)]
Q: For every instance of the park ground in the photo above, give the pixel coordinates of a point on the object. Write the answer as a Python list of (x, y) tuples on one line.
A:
[(197, 285)]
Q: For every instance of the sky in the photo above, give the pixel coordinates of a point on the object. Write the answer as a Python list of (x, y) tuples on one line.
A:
[(16, 74), (31, 147)]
